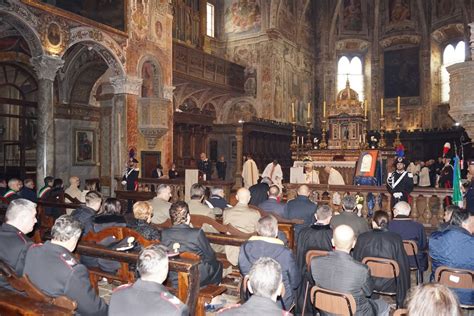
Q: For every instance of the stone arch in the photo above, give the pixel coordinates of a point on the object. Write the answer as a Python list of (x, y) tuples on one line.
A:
[(22, 25), (239, 109), (155, 83), (103, 44)]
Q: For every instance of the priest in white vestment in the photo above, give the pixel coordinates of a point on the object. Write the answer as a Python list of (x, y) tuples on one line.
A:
[(335, 177), (311, 176), (249, 172), (274, 172)]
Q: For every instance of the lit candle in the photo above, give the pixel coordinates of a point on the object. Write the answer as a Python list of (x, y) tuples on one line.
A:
[(309, 115), (365, 108), (398, 106), (381, 107), (292, 111), (324, 109)]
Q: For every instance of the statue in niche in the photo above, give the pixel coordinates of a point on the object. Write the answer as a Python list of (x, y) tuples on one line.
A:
[(148, 76), (399, 11), (352, 16)]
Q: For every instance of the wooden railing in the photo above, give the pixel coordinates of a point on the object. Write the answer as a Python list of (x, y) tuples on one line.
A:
[(426, 203)]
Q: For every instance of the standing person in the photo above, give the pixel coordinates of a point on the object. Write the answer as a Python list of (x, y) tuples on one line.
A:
[(130, 176), (221, 167), (259, 191), (311, 176), (424, 176), (274, 172), (249, 172), (400, 182), (205, 167), (470, 188), (446, 179), (173, 173), (335, 177), (157, 172), (28, 190)]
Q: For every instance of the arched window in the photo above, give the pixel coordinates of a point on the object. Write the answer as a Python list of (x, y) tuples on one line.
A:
[(351, 70), (451, 55)]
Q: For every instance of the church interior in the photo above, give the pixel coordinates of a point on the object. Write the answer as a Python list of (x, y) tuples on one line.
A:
[(339, 98)]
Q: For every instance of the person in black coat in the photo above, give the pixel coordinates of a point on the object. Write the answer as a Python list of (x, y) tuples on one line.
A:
[(217, 199), (20, 220), (181, 237), (316, 237), (205, 167), (157, 172), (385, 244), (28, 191), (259, 191), (54, 195), (143, 211), (221, 167), (173, 173), (130, 176), (86, 213), (272, 204), (266, 244), (301, 208), (400, 182)]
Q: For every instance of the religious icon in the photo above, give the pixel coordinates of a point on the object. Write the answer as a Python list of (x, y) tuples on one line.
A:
[(399, 11), (352, 15), (54, 34), (84, 147)]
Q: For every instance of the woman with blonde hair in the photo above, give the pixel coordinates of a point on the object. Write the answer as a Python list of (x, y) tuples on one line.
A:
[(433, 299), (143, 211)]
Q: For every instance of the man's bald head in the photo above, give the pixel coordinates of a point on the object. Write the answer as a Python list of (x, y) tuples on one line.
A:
[(343, 238), (243, 196), (303, 190)]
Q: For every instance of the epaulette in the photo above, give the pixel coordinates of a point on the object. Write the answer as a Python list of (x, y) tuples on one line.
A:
[(171, 298), (228, 307), (121, 287), (69, 260)]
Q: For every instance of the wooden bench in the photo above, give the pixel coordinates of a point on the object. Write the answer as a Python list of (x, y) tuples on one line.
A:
[(187, 269), (33, 302)]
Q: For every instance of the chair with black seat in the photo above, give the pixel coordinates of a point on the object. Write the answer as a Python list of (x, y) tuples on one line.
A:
[(310, 254), (411, 248), (333, 302), (456, 278), (383, 268)]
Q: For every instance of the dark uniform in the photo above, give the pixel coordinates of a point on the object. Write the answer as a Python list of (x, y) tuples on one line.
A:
[(13, 247), (55, 271), (11, 195), (221, 167), (470, 197), (205, 166), (400, 182), (145, 298), (446, 181), (256, 305), (131, 177)]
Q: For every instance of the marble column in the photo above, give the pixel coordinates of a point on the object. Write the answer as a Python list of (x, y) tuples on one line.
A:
[(46, 68), (124, 88), (240, 153)]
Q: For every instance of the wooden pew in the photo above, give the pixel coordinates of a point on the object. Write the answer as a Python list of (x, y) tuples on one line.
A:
[(34, 301), (187, 269)]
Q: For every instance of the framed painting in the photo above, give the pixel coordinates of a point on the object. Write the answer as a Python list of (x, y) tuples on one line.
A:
[(367, 163), (84, 147), (402, 72)]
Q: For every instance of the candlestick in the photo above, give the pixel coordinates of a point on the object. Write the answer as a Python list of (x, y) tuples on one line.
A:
[(381, 107), (293, 112), (309, 105), (324, 109), (398, 106), (365, 108)]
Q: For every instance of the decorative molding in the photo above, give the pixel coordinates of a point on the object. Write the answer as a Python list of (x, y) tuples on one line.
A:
[(126, 85), (46, 67), (400, 40), (77, 112), (447, 32), (152, 135), (168, 92)]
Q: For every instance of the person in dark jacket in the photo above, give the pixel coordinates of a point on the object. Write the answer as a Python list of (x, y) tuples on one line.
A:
[(148, 295), (14, 187), (265, 282), (28, 190), (301, 208), (384, 244), (181, 237), (85, 214), (110, 215), (173, 173), (272, 205), (48, 183), (408, 229), (142, 211), (259, 191), (266, 244), (157, 172), (454, 247), (54, 269), (221, 167), (205, 167), (316, 237), (20, 218), (54, 195), (400, 182), (349, 216), (217, 199)]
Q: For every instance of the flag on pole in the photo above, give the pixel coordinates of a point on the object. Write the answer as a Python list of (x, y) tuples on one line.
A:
[(457, 195)]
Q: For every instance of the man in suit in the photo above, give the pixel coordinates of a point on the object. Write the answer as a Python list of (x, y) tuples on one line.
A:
[(241, 217), (265, 282), (205, 167), (143, 296), (259, 191), (349, 217), (301, 208), (339, 272), (160, 204), (272, 205), (28, 190), (20, 220), (182, 237), (54, 269)]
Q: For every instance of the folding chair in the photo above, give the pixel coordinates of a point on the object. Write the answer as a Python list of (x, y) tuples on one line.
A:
[(333, 302), (411, 248), (310, 254), (383, 268), (456, 278)]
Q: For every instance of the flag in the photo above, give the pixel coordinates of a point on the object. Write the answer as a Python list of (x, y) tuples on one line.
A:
[(457, 195)]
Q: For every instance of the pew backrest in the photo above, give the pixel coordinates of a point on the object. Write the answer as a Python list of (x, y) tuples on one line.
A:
[(199, 220)]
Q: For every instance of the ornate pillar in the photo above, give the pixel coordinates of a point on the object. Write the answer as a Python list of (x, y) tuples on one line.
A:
[(461, 96), (46, 68), (240, 153)]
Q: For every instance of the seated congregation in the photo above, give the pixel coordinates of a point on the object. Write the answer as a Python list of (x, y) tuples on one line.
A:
[(365, 265)]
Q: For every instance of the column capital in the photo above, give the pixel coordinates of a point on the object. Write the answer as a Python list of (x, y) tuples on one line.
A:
[(46, 66), (168, 92), (126, 85)]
